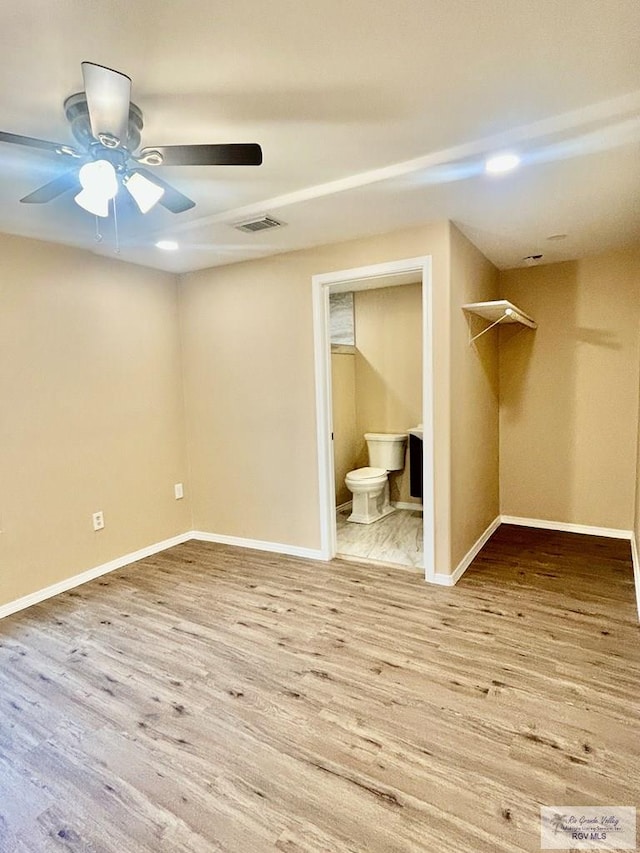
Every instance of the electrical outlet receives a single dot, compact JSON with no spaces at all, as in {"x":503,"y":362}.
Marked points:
{"x":178,"y":490}
{"x":98,"y":520}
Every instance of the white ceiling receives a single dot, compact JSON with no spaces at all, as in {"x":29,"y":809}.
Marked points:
{"x":372,"y":116}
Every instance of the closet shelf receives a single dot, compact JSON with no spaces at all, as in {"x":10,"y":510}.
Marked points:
{"x":499,"y":311}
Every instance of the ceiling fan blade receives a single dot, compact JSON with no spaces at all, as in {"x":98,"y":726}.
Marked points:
{"x":54,"y":188}
{"x":173,"y":199}
{"x":232,"y":154}
{"x":32,"y":142}
{"x":108,"y":95}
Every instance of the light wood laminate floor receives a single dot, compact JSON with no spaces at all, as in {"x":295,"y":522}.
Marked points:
{"x":215,"y":699}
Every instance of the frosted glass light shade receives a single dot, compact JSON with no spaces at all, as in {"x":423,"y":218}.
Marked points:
{"x":99,"y":185}
{"x":99,"y":178}
{"x":143,"y":191}
{"x":93,"y":203}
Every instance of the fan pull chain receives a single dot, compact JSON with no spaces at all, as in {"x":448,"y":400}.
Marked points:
{"x":98,"y":234}
{"x":115,"y":226}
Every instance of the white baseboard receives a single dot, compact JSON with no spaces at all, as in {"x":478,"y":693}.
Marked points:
{"x":438,"y":578}
{"x":397,"y":504}
{"x":258,"y":545}
{"x":150,"y":550}
{"x":452,"y":579}
{"x":635,"y":557}
{"x":91,"y":574}
{"x":441,"y":579}
{"x":610,"y":532}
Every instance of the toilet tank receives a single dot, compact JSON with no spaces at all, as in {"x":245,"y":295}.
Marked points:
{"x":386,"y":449}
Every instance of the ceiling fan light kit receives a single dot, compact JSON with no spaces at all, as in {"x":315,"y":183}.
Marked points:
{"x":108,"y":128}
{"x":144,"y":192}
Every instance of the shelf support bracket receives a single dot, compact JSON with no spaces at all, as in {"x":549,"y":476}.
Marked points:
{"x":508,"y":312}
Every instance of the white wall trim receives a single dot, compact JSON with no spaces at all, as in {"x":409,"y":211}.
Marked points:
{"x":407,"y":505}
{"x":635,"y":557}
{"x":346,"y":505}
{"x":258,"y":545}
{"x":438,"y":578}
{"x":452,"y":579}
{"x":91,"y":574}
{"x":149,"y":551}
{"x":565,"y":527}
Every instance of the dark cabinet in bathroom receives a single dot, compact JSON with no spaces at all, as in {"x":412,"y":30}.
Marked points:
{"x":415,"y":466}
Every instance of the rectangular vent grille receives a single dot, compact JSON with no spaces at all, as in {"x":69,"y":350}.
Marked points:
{"x":262,"y":224}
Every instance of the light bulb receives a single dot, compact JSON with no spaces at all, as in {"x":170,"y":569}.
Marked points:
{"x":501,"y":163}
{"x":143,"y":191}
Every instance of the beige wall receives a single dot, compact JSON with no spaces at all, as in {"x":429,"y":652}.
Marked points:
{"x":250,"y":391}
{"x":474,"y":382}
{"x":92,"y":413}
{"x":636,"y":517}
{"x":345,"y":435}
{"x":388,"y":369}
{"x":569,"y":392}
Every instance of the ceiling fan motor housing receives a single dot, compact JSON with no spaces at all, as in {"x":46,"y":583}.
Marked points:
{"x":77,"y":113}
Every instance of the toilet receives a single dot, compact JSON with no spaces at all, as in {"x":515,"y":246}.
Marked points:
{"x":370,"y":486}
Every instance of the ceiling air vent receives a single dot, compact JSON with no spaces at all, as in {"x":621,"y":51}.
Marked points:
{"x":261,"y":224}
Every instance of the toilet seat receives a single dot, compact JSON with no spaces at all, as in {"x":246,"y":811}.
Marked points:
{"x":360,"y":474}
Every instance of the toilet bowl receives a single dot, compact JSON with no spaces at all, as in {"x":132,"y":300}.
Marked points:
{"x":370,"y":490}
{"x":370,"y":486}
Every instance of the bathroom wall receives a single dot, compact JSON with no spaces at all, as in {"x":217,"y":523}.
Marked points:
{"x":388,"y":369}
{"x":345,"y":434}
{"x":569,"y":392}
{"x":92,"y":412}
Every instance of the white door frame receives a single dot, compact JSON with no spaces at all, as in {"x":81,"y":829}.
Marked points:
{"x":362,"y":278}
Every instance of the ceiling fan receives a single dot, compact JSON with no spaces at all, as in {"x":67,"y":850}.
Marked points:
{"x":107,"y":126}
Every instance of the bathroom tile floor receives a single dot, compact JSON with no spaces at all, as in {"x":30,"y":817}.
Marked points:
{"x":397,"y":538}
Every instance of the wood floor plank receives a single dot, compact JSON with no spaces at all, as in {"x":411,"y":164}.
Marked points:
{"x":216,"y":700}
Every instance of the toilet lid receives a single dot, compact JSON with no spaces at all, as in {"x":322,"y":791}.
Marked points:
{"x":366,"y":473}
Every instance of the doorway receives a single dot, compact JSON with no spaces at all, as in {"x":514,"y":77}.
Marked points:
{"x":364,"y":278}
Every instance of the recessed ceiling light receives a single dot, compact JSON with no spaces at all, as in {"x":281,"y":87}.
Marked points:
{"x":531,"y":260}
{"x":557,"y":237}
{"x":501,"y":163}
{"x":167,"y":245}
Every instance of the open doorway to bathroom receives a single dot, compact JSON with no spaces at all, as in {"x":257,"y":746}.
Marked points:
{"x":376,"y":383}
{"x":374,"y":379}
